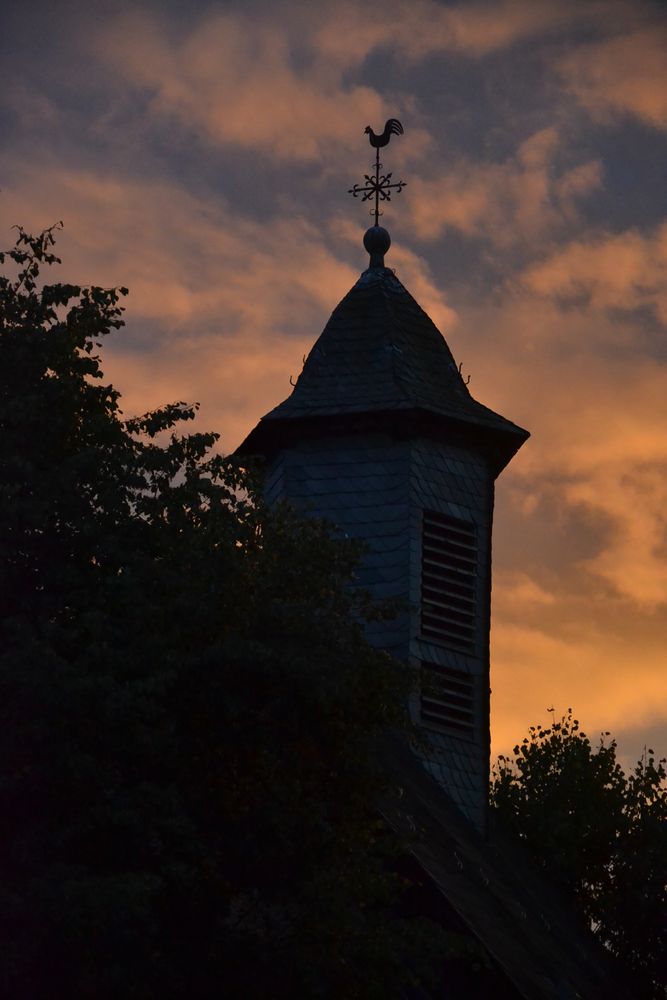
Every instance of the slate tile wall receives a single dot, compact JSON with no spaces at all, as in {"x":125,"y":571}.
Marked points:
{"x":375,"y":488}
{"x":361,"y":484}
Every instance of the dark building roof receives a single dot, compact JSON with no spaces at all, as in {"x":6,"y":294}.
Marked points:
{"x":531,"y":933}
{"x":380,"y":354}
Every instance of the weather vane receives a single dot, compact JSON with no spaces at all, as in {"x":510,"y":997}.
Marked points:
{"x":381,"y":185}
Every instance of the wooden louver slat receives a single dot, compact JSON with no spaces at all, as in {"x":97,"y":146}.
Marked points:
{"x":449,"y":567}
{"x":447,"y":699}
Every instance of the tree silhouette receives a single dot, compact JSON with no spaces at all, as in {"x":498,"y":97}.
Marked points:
{"x":187,"y":703}
{"x":596,"y":831}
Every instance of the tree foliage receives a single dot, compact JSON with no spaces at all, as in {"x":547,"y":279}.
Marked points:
{"x":597,"y":831}
{"x":187,"y":707}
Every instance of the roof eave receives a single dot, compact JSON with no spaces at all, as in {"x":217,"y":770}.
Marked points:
{"x":500,"y":443}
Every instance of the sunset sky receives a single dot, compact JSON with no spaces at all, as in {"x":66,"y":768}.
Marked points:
{"x":200,"y":154}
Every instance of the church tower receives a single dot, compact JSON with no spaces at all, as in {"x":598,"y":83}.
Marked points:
{"x":382,"y":437}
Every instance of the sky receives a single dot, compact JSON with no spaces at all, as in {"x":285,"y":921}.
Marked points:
{"x":201,"y":153}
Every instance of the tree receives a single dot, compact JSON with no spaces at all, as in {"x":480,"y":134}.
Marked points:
{"x":187,"y":703}
{"x":598,"y":832}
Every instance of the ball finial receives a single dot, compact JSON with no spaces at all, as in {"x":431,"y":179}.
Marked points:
{"x":377,"y":242}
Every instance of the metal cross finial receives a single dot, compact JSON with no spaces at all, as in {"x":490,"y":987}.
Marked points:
{"x":379,"y":185}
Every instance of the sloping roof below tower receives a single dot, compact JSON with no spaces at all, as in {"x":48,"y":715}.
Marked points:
{"x":542,"y":946}
{"x":381,"y":353}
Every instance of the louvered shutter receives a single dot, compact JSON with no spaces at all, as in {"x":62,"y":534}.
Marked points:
{"x":449,"y":578}
{"x":448,"y":699}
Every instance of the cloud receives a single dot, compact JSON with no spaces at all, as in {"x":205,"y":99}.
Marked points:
{"x":186,"y":258}
{"x":37,"y":111}
{"x":578,"y":619}
{"x":612,"y":680}
{"x":625,"y":74}
{"x":516,"y":201}
{"x":221,"y":308}
{"x":597,"y":409}
{"x":520,"y":590}
{"x":232,"y":78}
{"x":623,"y":271}
{"x":423,"y":27}
{"x":282,"y":86}
{"x":635,"y":559}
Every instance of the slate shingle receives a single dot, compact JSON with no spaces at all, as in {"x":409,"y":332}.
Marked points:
{"x":381,"y":351}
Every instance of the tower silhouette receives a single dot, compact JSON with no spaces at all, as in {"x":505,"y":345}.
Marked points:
{"x":382,"y":437}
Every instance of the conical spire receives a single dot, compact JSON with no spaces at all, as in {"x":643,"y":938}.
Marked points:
{"x":381,"y":360}
{"x":381,"y":356}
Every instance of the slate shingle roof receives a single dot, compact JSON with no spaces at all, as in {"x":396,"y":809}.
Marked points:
{"x":543,"y":947}
{"x":380,"y":350}
{"x":381,"y":353}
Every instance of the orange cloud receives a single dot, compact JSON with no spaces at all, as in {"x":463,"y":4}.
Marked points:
{"x":613,"y":681}
{"x":625,"y":74}
{"x":422,"y":27}
{"x":520,"y":199}
{"x":232,"y":79}
{"x":598,"y":430}
{"x":232,"y":305}
{"x":280,"y":85}
{"x":621,"y":271}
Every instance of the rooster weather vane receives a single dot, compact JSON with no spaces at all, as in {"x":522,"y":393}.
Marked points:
{"x":379,"y":185}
